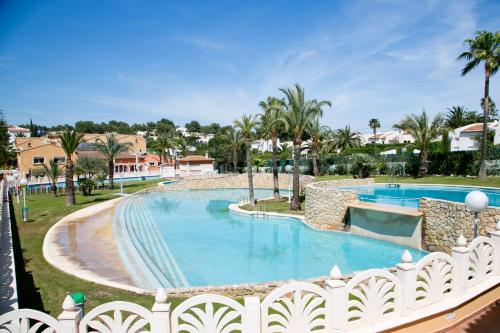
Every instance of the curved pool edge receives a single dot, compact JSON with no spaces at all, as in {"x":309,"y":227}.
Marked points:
{"x":54,"y":257}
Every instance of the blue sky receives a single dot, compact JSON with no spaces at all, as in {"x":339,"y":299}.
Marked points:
{"x":138,"y":61}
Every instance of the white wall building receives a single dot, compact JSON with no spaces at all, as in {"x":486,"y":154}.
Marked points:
{"x":14,"y":131}
{"x":264,"y":145}
{"x":389,"y":137}
{"x":468,"y":137}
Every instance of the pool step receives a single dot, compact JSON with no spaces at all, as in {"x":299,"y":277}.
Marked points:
{"x":386,"y":208}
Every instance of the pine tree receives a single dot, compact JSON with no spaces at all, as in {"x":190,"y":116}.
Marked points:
{"x":6,"y":155}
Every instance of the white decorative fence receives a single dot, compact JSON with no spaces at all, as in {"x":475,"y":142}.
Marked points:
{"x":369,"y":301}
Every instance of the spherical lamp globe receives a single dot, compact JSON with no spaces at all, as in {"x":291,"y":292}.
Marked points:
{"x":23,"y":182}
{"x":476,"y":201}
{"x":288,"y":168}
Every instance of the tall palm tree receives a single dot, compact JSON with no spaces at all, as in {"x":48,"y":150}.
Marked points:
{"x":110,"y":149}
{"x":271,"y":120}
{"x":233,"y":137}
{"x":374,"y":124}
{"x":345,"y":138}
{"x":69,"y":141}
{"x":299,"y":112}
{"x":458,"y":116}
{"x":164,"y":142}
{"x":318,"y":133}
{"x":247,"y":126}
{"x":53,"y":171}
{"x":424,"y":130}
{"x":484,"y":47}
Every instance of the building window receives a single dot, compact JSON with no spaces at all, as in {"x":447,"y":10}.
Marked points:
{"x":38,"y":160}
{"x":59,"y":159}
{"x":151,"y":163}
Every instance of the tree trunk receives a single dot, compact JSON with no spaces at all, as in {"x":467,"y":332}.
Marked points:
{"x":249,"y":172}
{"x":314,"y":156}
{"x":422,"y":171}
{"x":111,"y":171}
{"x":486,"y":110}
{"x":70,"y":187}
{"x":374,"y":140}
{"x":295,"y":205}
{"x":276,"y":185}
{"x":235,"y":160}
{"x":53,"y":188}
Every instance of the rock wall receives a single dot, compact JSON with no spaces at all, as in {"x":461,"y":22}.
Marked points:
{"x":326,"y":206}
{"x":260,"y":180}
{"x":445,"y":220}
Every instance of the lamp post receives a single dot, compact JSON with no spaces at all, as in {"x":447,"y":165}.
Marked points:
{"x":16,"y":188}
{"x":476,"y":202}
{"x":24,"y":184}
{"x":288,"y":169}
{"x":121,"y":182}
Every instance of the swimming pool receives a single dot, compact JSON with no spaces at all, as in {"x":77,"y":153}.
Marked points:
{"x":190,"y":238}
{"x":409,"y":195}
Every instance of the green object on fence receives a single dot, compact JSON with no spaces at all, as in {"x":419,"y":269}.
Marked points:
{"x":78,"y":298}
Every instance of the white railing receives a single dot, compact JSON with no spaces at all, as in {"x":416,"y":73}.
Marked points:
{"x":369,"y":301}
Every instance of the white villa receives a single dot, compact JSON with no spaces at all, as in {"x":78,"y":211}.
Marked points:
{"x":467,"y":137}
{"x":389,"y":137}
{"x":16,"y":131}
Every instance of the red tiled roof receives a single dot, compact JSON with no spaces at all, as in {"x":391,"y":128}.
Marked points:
{"x":195,"y":158}
{"x":474,"y":128}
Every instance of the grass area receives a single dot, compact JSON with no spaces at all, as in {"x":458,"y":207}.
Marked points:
{"x":274,"y":205}
{"x":44,"y":287}
{"x":445,"y":180}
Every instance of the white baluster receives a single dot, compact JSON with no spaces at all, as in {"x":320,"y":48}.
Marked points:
{"x":461,"y":255}
{"x":70,"y":317}
{"x":251,"y":319}
{"x":337,"y":292}
{"x":160,"y":321}
{"x":495,"y":237}
{"x":406,"y":273}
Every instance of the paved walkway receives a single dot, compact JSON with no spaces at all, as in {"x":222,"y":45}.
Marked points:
{"x":487,"y":321}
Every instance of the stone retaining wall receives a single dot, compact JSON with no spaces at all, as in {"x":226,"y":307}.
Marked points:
{"x":260,"y":180}
{"x":445,"y":221}
{"x":326,"y":205}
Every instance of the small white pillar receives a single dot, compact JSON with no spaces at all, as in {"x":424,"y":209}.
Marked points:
{"x":160,"y":322}
{"x":337,"y":292}
{"x":251,"y":320}
{"x":495,"y":237}
{"x":70,"y":317}
{"x":407,"y":274}
{"x":460,"y":254}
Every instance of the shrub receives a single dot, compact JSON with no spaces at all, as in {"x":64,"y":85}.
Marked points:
{"x":363,"y":165}
{"x":341,"y":169}
{"x":85,"y":186}
{"x":38,"y":172}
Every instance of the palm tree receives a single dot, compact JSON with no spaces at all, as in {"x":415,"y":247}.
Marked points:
{"x":247,"y":126}
{"x":285,"y":151}
{"x":374,"y":124}
{"x":69,"y":141}
{"x":164,"y":142}
{"x":317,"y":132}
{"x":345,"y":138}
{"x":458,"y":116}
{"x":53,"y":171}
{"x":233,"y":137}
{"x":299,"y":112}
{"x":484,"y":47}
{"x":424,"y":131}
{"x":110,"y":149}
{"x":271,"y":120}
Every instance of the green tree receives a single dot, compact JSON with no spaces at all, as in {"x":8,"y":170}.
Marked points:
{"x":53,"y":171}
{"x":424,"y":130}
{"x":110,"y":149}
{"x":270,"y":122}
{"x":247,"y":126}
{"x":6,"y":153}
{"x":458,"y":116}
{"x":234,"y":139}
{"x":493,"y":111}
{"x":299,"y":112}
{"x":193,"y":126}
{"x":484,"y":47}
{"x":90,"y":166}
{"x":374,"y":123}
{"x":317,"y":134}
{"x":69,"y":141}
{"x":164,"y":142}
{"x":345,"y":138}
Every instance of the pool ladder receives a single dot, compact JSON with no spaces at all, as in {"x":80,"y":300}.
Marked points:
{"x":261,"y":212}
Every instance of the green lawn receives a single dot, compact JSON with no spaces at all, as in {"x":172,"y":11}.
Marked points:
{"x":274,"y":205}
{"x":44,"y":287}
{"x":446,"y":180}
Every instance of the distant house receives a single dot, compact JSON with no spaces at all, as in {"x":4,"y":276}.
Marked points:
{"x":264,"y":145}
{"x":390,"y":137}
{"x":195,"y":165}
{"x":468,"y":137}
{"x":16,"y":131}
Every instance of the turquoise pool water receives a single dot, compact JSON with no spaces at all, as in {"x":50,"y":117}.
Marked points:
{"x":190,"y":238}
{"x":409,"y":195}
